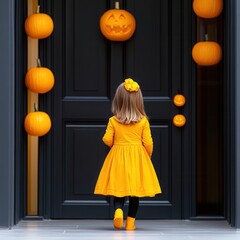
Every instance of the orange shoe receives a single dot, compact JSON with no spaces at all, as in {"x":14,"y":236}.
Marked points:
{"x":130,"y":224}
{"x":118,"y":218}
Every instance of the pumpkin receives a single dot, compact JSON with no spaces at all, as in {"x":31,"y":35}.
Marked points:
{"x":39,"y":25}
{"x":39,"y":79}
{"x":179,"y":120}
{"x":117,"y":24}
{"x":208,"y":8}
{"x":179,"y":100}
{"x":37,"y":123}
{"x":207,"y":53}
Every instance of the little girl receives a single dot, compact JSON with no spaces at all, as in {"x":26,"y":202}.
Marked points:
{"x":127,"y":170}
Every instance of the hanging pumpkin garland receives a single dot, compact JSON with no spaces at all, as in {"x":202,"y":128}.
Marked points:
{"x":39,"y":25}
{"x":208,"y":8}
{"x":37,"y":123}
{"x":39,"y":79}
{"x":117,"y":24}
{"x":207,"y":53}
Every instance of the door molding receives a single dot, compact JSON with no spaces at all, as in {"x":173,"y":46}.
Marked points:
{"x":232,"y":111}
{"x":237,"y":110}
{"x":189,"y":152}
{"x":20,"y":110}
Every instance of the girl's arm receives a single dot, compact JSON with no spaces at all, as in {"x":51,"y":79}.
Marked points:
{"x":109,"y":134}
{"x":147,"y":139}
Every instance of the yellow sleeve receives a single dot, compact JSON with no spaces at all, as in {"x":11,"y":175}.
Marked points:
{"x":109,"y":134}
{"x":147,"y":139}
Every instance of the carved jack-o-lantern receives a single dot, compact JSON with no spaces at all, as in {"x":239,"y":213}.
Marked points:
{"x":179,"y":100}
{"x":117,"y":24}
{"x":179,"y":120}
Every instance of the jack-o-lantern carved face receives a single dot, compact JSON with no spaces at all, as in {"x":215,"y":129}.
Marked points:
{"x":179,"y":100}
{"x":179,"y":120}
{"x":117,"y":24}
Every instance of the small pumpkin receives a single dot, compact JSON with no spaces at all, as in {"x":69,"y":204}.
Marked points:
{"x":37,"y":123}
{"x":208,"y":8}
{"x":39,"y":25}
{"x":39,"y":79}
{"x":207,"y":53}
{"x":179,"y":120}
{"x":117,"y":24}
{"x":179,"y":100}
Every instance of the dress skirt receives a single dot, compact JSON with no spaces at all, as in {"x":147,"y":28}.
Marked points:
{"x":127,"y":171}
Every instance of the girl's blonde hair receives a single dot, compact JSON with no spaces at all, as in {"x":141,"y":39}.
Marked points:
{"x":128,"y":106}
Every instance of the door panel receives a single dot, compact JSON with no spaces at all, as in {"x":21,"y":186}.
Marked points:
{"x":84,"y":50}
{"x":88,"y":68}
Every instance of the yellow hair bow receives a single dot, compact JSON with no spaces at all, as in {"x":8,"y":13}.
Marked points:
{"x":131,"y":85}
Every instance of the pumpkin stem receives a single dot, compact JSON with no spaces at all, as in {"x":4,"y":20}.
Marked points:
{"x":38,"y":9}
{"x":38,"y":62}
{"x":116,"y":5}
{"x":206,"y":37}
{"x":35,"y":107}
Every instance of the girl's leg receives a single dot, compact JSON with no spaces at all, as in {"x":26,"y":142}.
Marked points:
{"x":132,"y":212}
{"x":118,"y":202}
{"x":118,"y":215}
{"x":133,"y":206}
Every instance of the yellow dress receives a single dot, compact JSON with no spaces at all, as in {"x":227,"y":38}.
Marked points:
{"x":128,"y":169}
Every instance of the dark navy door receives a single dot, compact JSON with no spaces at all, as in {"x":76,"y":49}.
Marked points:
{"x":87,"y":69}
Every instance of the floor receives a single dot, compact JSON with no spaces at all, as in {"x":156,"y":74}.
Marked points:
{"x":103,"y":230}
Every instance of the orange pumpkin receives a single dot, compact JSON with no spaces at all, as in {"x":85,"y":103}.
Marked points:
{"x":39,"y":79}
{"x":207,"y":53}
{"x":117,"y":24}
{"x":39,"y":25}
{"x":179,"y":120}
{"x":179,"y":100}
{"x":37,"y":123}
{"x":208,"y":8}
